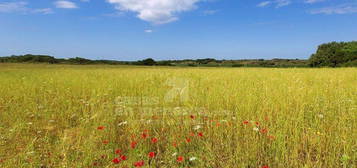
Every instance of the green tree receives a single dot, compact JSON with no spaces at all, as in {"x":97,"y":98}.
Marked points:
{"x":149,"y":62}
{"x":334,"y":54}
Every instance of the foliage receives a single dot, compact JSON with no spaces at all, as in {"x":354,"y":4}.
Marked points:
{"x":335,"y":54}
{"x":30,"y":58}
{"x":208,"y":62}
{"x":147,"y":62}
{"x":78,"y":60}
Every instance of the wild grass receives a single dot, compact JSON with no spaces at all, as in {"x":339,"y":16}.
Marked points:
{"x":78,"y":116}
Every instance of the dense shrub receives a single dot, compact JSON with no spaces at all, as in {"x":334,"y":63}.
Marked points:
{"x":334,"y":54}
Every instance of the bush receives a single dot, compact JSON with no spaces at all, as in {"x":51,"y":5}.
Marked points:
{"x":334,"y":54}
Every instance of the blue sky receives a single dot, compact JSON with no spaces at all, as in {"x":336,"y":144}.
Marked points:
{"x":174,"y":29}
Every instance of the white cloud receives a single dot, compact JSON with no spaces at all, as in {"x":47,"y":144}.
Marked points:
{"x":11,"y":7}
{"x":65,"y":4}
{"x":341,"y":9}
{"x":8,"y":7}
{"x":148,"y":31}
{"x":281,"y":3}
{"x":276,"y":3}
{"x":313,"y":1}
{"x":43,"y":11}
{"x":264,"y":4}
{"x":155,"y":11}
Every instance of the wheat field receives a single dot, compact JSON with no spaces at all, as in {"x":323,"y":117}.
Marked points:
{"x":124,"y":116}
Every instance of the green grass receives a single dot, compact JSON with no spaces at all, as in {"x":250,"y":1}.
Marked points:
{"x":49,"y":115}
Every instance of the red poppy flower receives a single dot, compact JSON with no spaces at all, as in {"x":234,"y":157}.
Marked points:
{"x":265,"y":166}
{"x":100,"y":128}
{"x":144,"y":135}
{"x":218,"y":124}
{"x":174,"y":144}
{"x":264,"y":131}
{"x":188,"y":140}
{"x":200,"y":134}
{"x":180,"y":159}
{"x":139,"y":163}
{"x":105,"y":142}
{"x":118,"y":151}
{"x":257,"y":123}
{"x":116,"y":160}
{"x":133,"y":144}
{"x":95,"y":164}
{"x":123,"y":157}
{"x":152,"y":154}
{"x":154,"y":140}
{"x":103,"y":156}
{"x":192,"y":134}
{"x":192,"y":116}
{"x":245,"y":122}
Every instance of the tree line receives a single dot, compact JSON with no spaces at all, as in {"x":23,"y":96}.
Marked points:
{"x":207,"y":62}
{"x":334,"y":54}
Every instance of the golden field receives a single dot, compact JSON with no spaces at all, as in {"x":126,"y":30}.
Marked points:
{"x":125,"y":116}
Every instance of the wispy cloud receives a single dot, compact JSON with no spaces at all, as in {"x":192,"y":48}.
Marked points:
{"x":340,"y":9}
{"x":115,"y":14}
{"x":43,"y":11}
{"x":313,"y":1}
{"x":264,"y":3}
{"x":8,"y":7}
{"x":65,"y":4}
{"x":21,"y":7}
{"x":281,"y":3}
{"x":209,"y":12}
{"x":156,"y":11}
{"x":276,"y":3}
{"x":148,"y":31}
